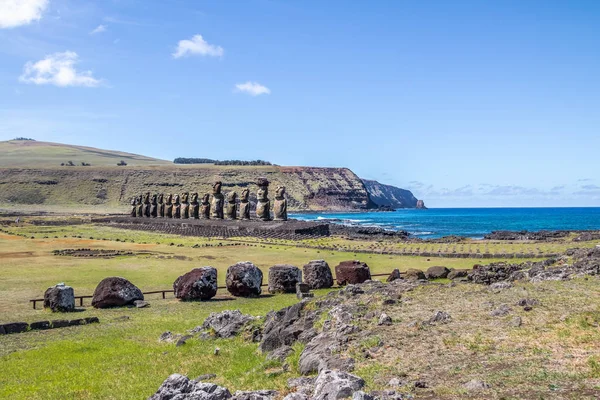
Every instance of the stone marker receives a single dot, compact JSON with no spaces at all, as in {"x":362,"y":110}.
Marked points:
{"x":216,"y":207}
{"x":198,"y":284}
{"x":283,"y":278}
{"x":59,"y":298}
{"x":244,"y":279}
{"x":280,"y":205}
{"x":352,"y":272}
{"x":395,"y":275}
{"x":303,"y":291}
{"x":317,"y":274}
{"x":115,"y":292}
{"x":245,"y":205}
{"x":263,"y":205}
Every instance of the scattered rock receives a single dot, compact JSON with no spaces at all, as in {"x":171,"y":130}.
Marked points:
{"x":360,"y":395}
{"x":421,"y":385}
{"x":198,"y":284}
{"x":296,"y":396}
{"x":395,"y":382}
{"x":59,"y":298}
{"x":437,"y":272}
{"x":528,"y":303}
{"x":414,"y":274}
{"x":498,"y":286}
{"x":352,"y":272}
{"x":441,"y":317}
{"x":501,"y":311}
{"x":115,"y":292}
{"x":283,"y":278}
{"x":317,"y":275}
{"x":394,"y":276}
{"x":516,"y":322}
{"x":331,"y":385}
{"x":226,"y":323}
{"x":182,"y":340}
{"x":244,"y":279}
{"x":205,"y":377}
{"x":180,"y":387}
{"x":255,"y":395}
{"x":283,"y":327}
{"x":458,"y":273}
{"x":280,"y":354}
{"x":476,"y":385}
{"x":384,"y":319}
{"x":141,"y":304}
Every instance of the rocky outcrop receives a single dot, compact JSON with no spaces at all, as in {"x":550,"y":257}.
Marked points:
{"x":389,"y":196}
{"x":420,"y":205}
{"x":336,"y":385}
{"x":180,"y":387}
{"x":198,"y":284}
{"x":115,"y":292}
{"x":227,"y":323}
{"x":244,"y":279}
{"x":59,"y":298}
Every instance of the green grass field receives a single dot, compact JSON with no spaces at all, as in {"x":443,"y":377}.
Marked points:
{"x":121,"y":358}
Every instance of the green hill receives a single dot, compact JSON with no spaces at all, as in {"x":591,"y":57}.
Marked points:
{"x":33,"y":154}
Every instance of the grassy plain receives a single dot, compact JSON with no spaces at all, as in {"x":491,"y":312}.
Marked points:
{"x":554,"y":355}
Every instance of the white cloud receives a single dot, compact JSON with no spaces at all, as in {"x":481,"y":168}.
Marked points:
{"x":197,"y":45}
{"x":252,"y":88}
{"x":58,"y":69}
{"x":15,"y":13}
{"x":99,"y":29}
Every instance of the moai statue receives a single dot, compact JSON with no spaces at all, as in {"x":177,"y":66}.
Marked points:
{"x":231,"y":212}
{"x":263,"y":205}
{"x":146,"y":206}
{"x":153,"y":206}
{"x":140,"y":206}
{"x":245,"y":205}
{"x":216,"y":208}
{"x":205,"y":207}
{"x":160,"y":206}
{"x":168,"y":205}
{"x":185,"y":205}
{"x":176,"y":206}
{"x":280,"y":204}
{"x":133,"y":212}
{"x":194,"y":206}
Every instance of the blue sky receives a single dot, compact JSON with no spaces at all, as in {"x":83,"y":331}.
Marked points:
{"x":467,"y":103}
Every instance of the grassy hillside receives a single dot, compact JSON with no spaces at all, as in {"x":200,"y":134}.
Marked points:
{"x":29,"y":153}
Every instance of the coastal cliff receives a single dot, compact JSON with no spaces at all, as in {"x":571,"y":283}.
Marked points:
{"x":308,"y":188}
{"x":390,"y":196}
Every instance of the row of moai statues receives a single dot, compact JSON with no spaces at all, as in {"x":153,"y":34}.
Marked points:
{"x":186,"y":205}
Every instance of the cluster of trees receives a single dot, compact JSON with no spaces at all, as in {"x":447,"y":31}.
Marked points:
{"x":24,"y":138}
{"x":183,"y":160}
{"x":72,"y":164}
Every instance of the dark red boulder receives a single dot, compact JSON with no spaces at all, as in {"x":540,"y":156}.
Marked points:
{"x":115,"y":292}
{"x":352,"y":272}
{"x":198,"y":284}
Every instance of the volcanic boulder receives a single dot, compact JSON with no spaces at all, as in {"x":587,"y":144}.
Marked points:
{"x":317,"y":275}
{"x":352,"y":272}
{"x":198,"y":284}
{"x":244,"y":279}
{"x":181,"y":387}
{"x":115,"y":292}
{"x":437,"y":272}
{"x":283,"y":278}
{"x":59,"y":298}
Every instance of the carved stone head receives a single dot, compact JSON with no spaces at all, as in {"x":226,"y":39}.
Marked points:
{"x":217,"y":187}
{"x":194,"y":198}
{"x":168,"y":198}
{"x":231,"y":197}
{"x":206,"y":199}
{"x":153,"y":199}
{"x":263,"y":193}
{"x":147,"y":198}
{"x":175,"y":199}
{"x":184,"y":197}
{"x":280,"y":192}
{"x":160,"y":198}
{"x":244,"y":196}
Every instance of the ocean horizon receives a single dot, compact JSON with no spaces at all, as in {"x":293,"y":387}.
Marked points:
{"x":469,"y":222}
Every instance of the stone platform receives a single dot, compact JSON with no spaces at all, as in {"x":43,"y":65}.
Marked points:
{"x":291,"y":229}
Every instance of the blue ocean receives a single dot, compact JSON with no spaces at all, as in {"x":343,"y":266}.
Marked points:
{"x":470,"y":222}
